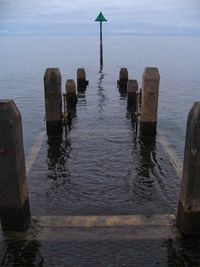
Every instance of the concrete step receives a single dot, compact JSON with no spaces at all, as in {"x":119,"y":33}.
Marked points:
{"x":76,"y":228}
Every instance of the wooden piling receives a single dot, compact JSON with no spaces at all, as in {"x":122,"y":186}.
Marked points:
{"x":188,"y":216}
{"x":132,"y":89}
{"x":14,"y":203}
{"x":123,"y":78}
{"x":149,"y":101}
{"x":81,"y":79}
{"x":71,"y":94}
{"x":53,"y":101}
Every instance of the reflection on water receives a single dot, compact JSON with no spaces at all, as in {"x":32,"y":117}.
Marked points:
{"x":144,"y":180}
{"x":101,"y":91}
{"x":81,"y":98}
{"x":147,"y":153}
{"x":22,"y":253}
{"x":57,"y":161}
{"x":123,"y":93}
{"x":184,"y":252}
{"x":35,"y":253}
{"x":72,"y":111}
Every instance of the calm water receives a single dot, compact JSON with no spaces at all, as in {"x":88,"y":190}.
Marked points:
{"x":100,"y":167}
{"x":24,"y":60}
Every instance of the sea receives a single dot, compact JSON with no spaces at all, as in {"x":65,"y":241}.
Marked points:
{"x":98,"y":167}
{"x":24,"y":60}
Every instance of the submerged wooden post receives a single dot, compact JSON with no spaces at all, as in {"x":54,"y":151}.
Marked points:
{"x":132,"y":89}
{"x":71,"y":94}
{"x":123,"y":78}
{"x":188,"y":217}
{"x":81,"y":79}
{"x":149,"y":102}
{"x":14,"y":203}
{"x":53,"y":101}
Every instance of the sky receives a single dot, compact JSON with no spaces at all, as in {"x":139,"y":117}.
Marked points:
{"x":137,"y":17}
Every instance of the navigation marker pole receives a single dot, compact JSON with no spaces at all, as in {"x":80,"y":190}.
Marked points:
{"x":101,"y":18}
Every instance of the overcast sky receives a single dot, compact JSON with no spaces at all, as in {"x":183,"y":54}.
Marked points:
{"x":174,"y":17}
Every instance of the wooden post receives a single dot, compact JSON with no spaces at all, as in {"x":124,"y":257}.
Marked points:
{"x":81,"y":80}
{"x":188,"y":217}
{"x":132,"y":89}
{"x":53,"y":101}
{"x":123,"y":79}
{"x":14,"y":203}
{"x":71,"y":95}
{"x":149,"y":103}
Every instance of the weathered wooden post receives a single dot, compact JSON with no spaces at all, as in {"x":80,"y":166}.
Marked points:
{"x":149,"y":102}
{"x":132,"y":89}
{"x":53,"y":101}
{"x":71,"y":95}
{"x":188,"y":217}
{"x":123,"y":79}
{"x":14,"y":203}
{"x":81,"y":80}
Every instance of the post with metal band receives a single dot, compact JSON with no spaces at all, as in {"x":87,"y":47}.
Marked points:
{"x":53,"y":101}
{"x":100,"y":19}
{"x":14,"y":202}
{"x":188,"y":217}
{"x":149,"y":101}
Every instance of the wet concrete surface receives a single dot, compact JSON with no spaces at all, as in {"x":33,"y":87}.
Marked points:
{"x":154,"y":245}
{"x":61,"y":234}
{"x":72,"y":241}
{"x":65,"y":180}
{"x":89,"y":253}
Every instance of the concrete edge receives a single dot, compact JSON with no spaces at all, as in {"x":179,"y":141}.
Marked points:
{"x":97,"y":228}
{"x":34,"y":151}
{"x":103,"y":221}
{"x":173,"y":157}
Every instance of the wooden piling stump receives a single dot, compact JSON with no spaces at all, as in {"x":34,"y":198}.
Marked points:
{"x":71,"y":94}
{"x":81,"y":79}
{"x":188,"y":217}
{"x":123,"y":78}
{"x":53,"y":101}
{"x":14,"y":203}
{"x":132,"y":89}
{"x":149,"y":101}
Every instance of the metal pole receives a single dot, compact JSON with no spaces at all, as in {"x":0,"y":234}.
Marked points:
{"x":101,"y":45}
